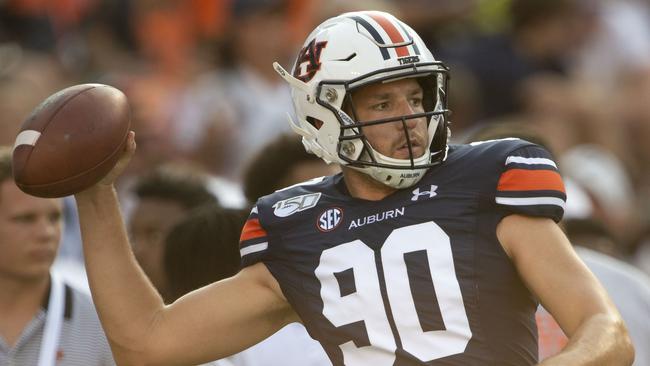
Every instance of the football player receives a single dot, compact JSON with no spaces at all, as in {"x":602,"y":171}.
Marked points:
{"x":418,"y":253}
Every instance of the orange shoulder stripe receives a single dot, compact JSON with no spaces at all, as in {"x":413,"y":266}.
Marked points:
{"x":530,"y":180}
{"x":252,"y":230}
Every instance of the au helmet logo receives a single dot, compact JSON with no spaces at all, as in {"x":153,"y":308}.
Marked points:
{"x":310,"y":55}
{"x":329,"y":219}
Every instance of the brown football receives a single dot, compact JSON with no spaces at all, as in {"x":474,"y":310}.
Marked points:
{"x":71,"y":140}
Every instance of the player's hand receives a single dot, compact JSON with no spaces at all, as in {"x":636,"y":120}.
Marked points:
{"x":106,"y":183}
{"x":127,"y":154}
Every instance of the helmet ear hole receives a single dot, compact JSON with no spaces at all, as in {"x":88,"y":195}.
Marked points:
{"x":440,"y":136}
{"x":348,"y":106}
{"x":315,"y":122}
{"x":429,"y":88}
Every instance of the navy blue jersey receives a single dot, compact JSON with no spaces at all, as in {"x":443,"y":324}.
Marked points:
{"x":418,"y":278}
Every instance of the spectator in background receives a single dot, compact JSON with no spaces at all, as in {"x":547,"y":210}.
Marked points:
{"x":593,"y":131}
{"x":632,"y":110}
{"x":167,"y":49}
{"x":242,"y":106}
{"x":204,"y":248}
{"x":592,"y":234}
{"x":44,"y":320}
{"x":620,"y":45}
{"x":164,"y":197}
{"x":642,"y":254}
{"x":628,"y":287}
{"x":432,"y":26}
{"x":604,"y":177}
{"x":543,"y":34}
{"x":42,"y":25}
{"x":281,"y":163}
{"x":26,"y":78}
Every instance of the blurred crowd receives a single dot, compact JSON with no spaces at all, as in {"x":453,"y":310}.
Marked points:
{"x":573,"y":75}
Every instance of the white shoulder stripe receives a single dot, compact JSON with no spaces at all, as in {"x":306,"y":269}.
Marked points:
{"x":27,"y":137}
{"x":476,"y":143}
{"x":530,"y":161}
{"x":253,"y":249}
{"x":530,"y":201}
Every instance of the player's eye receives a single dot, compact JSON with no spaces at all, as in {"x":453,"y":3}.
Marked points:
{"x":380,"y":106}
{"x":416,"y":102}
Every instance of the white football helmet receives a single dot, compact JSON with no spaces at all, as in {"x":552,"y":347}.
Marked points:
{"x":350,"y":51}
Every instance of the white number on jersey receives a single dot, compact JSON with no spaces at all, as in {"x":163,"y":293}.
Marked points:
{"x":366,"y":303}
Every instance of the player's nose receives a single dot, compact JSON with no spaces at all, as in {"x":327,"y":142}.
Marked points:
{"x":406,"y":109}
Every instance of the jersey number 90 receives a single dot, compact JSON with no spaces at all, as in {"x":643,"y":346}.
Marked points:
{"x":366,"y":303}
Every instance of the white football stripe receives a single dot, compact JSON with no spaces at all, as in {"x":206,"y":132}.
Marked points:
{"x":253,"y":249}
{"x":530,"y":201}
{"x":27,"y":137}
{"x":530,"y":161}
{"x":476,"y":143}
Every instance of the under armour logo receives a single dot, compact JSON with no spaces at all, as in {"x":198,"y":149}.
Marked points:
{"x":430,"y":193}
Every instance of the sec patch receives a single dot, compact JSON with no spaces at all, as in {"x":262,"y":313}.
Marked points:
{"x":330,"y":219}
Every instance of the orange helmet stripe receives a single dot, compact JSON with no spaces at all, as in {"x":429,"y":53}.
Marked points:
{"x":392,"y":32}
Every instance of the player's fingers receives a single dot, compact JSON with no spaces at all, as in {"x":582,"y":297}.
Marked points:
{"x":129,"y":150}
{"x":130,"y":143}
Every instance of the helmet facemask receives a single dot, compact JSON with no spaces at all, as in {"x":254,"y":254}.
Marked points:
{"x":357,"y":151}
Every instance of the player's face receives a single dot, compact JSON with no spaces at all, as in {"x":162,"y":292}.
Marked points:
{"x":393,"y":99}
{"x":152,"y":219}
{"x":30,"y":230}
